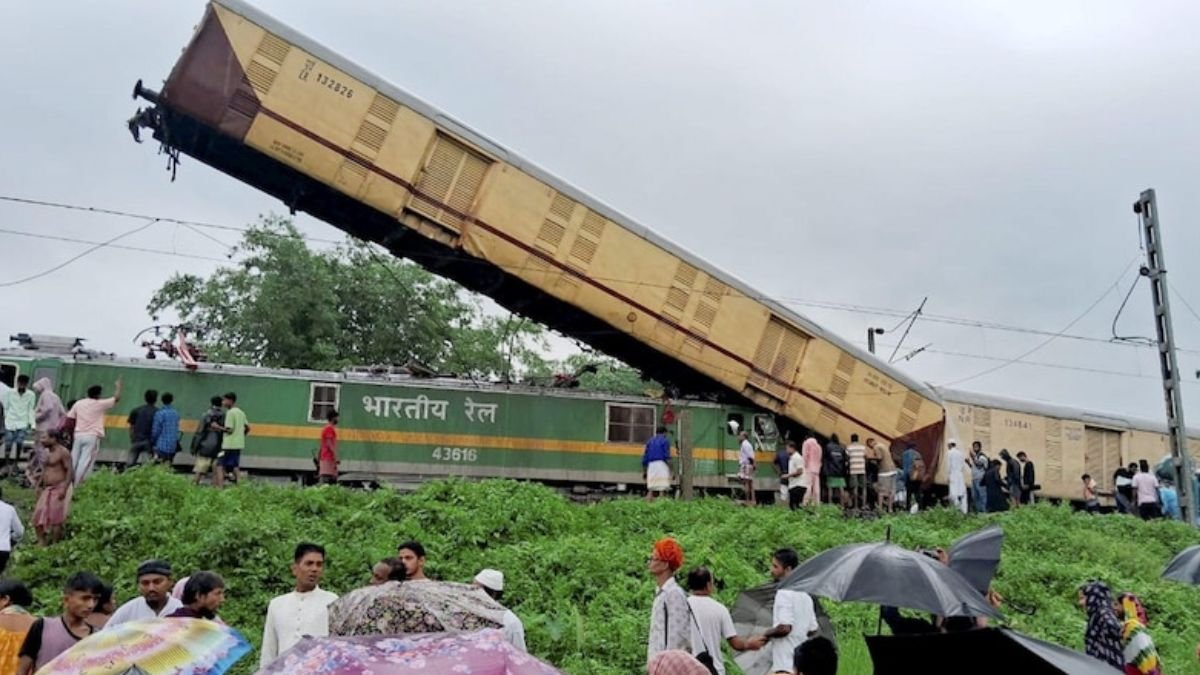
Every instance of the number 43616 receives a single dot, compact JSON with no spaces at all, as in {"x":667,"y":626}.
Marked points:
{"x":455,"y":454}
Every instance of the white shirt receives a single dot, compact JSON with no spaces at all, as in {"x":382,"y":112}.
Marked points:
{"x":11,"y":528}
{"x":715,"y":627}
{"x":794,"y":608}
{"x":746,"y":453}
{"x":1147,"y":488}
{"x":514,"y":630}
{"x":796,"y":466}
{"x":291,"y":617}
{"x":137,"y":610}
{"x":958,"y":484}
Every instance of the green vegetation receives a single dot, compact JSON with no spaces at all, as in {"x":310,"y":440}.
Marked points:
{"x":282,"y":304}
{"x":576,"y":574}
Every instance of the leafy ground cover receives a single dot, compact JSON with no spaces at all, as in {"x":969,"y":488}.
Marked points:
{"x":576,"y":574}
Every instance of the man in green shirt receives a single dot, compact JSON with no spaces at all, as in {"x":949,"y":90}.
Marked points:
{"x":234,"y":442}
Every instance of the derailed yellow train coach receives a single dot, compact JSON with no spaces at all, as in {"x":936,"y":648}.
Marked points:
{"x":261,"y":102}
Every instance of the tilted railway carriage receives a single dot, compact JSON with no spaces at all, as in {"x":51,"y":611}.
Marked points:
{"x":255,"y":99}
{"x":398,"y":429}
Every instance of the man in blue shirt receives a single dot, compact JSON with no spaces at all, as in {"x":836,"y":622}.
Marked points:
{"x":1169,"y":499}
{"x":656,"y":466}
{"x":912,"y":483}
{"x":165,"y":432}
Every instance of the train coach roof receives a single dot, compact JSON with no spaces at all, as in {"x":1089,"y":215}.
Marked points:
{"x":455,"y":126}
{"x":348,"y":377}
{"x":1101,"y":419}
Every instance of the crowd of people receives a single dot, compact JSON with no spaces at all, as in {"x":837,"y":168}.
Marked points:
{"x":27,"y":643}
{"x":67,"y":439}
{"x":867,"y":477}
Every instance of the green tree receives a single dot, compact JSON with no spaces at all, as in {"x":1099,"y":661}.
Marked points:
{"x":285,"y":305}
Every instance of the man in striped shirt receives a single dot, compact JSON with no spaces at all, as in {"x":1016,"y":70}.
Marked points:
{"x":857,"y":454}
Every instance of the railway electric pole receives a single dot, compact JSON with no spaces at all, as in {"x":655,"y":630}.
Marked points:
{"x":1155,"y":270}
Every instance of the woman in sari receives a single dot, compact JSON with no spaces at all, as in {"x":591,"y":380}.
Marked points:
{"x":15,"y":621}
{"x":1102,"y":638}
{"x":1141,"y":657}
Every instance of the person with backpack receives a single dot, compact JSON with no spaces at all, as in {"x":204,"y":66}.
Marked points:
{"x":206,"y":443}
{"x":712,"y":624}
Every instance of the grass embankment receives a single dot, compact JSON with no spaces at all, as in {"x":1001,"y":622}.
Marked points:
{"x":576,"y":574}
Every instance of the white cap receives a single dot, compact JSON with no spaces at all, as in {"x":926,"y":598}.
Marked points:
{"x":489,"y":578}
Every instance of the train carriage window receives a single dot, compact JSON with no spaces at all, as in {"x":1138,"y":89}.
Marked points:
{"x":47,"y":373}
{"x":629,"y":423}
{"x":734,"y":422}
{"x":8,"y":374}
{"x":322,"y":397}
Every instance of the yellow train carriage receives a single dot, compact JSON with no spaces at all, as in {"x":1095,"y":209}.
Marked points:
{"x":330,"y":138}
{"x":1064,"y":443}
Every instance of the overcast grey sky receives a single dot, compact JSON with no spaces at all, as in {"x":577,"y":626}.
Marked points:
{"x":983,"y":154}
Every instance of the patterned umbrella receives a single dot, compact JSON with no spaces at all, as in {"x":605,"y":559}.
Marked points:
{"x":481,"y":653}
{"x":154,"y":647}
{"x":398,"y":608}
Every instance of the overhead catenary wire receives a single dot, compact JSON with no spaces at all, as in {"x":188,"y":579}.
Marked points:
{"x":1187,"y":304}
{"x":380,"y":259}
{"x":1050,"y":339}
{"x":904,"y":315}
{"x":1117,"y":317}
{"x":86,"y":252}
{"x":118,"y":247}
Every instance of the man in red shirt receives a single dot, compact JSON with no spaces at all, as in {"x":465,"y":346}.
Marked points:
{"x":327,"y":461}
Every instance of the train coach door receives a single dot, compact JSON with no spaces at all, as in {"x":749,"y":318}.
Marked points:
{"x":1103,"y":455}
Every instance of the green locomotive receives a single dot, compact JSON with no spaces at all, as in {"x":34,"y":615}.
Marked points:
{"x":402,"y":429}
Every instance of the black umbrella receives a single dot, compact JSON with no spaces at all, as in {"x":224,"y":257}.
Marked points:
{"x":885,"y":574}
{"x":986,"y":650}
{"x":753,"y":614}
{"x":1184,"y":567}
{"x":977,"y":555}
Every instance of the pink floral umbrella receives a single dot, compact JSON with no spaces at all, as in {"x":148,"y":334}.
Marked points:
{"x":481,"y":653}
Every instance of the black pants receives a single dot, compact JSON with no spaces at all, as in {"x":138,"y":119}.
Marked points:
{"x":1149,"y":511}
{"x":796,"y":497}
{"x":913,"y":487}
{"x":135,"y":453}
{"x":4,"y":555}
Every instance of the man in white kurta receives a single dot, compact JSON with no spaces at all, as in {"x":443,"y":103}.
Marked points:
{"x":958,"y":483}
{"x":492,"y":582}
{"x":304,"y":611}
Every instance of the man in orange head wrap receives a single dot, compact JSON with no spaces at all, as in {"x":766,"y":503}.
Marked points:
{"x":670,"y":623}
